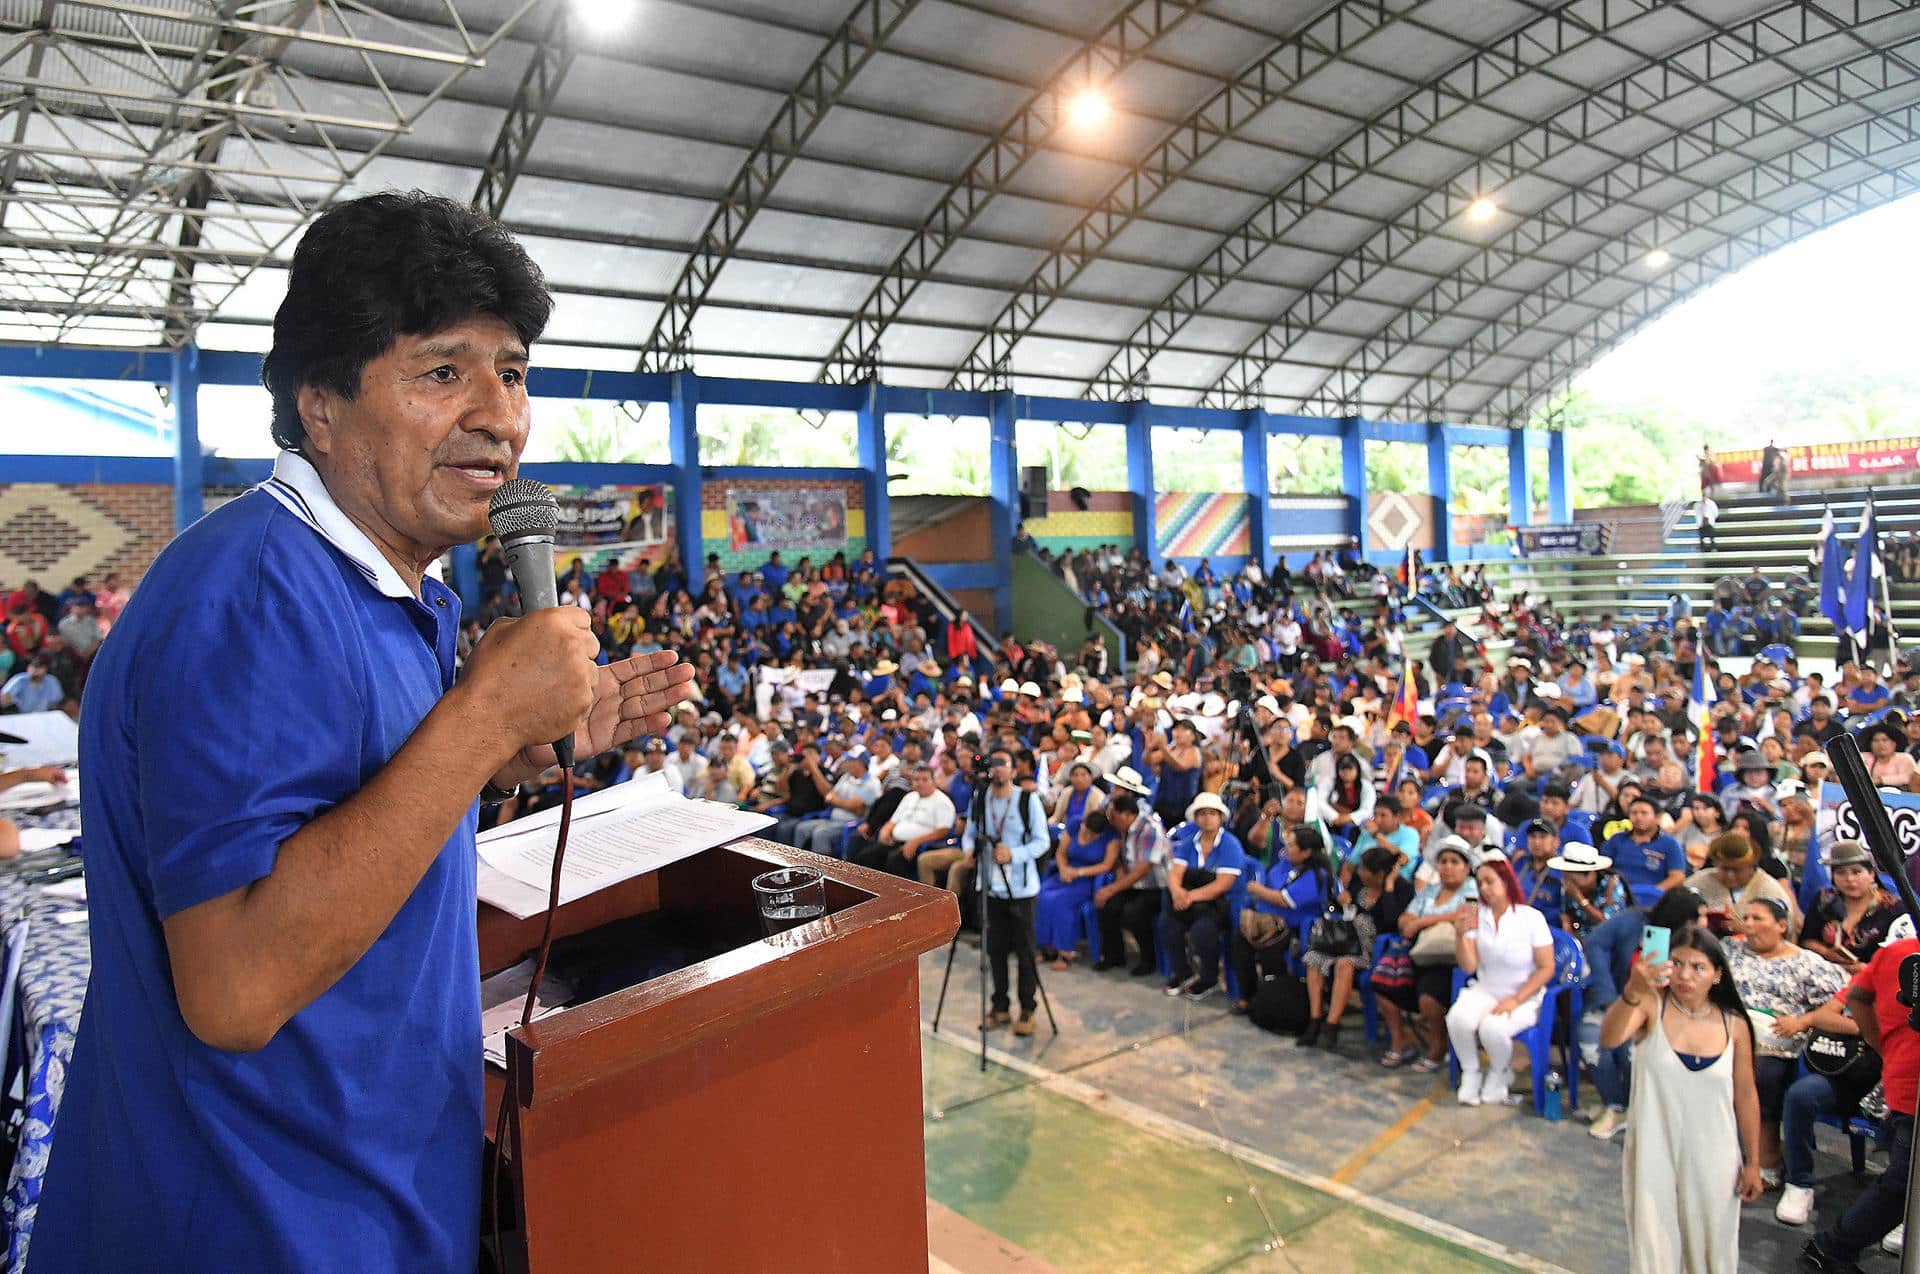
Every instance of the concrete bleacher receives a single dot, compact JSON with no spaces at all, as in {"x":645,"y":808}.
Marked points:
{"x":1753,"y":532}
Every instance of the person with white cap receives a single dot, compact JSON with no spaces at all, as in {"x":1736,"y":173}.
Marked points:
{"x":1131,"y":903}
{"x":1590,"y":890}
{"x":1443,"y":901}
{"x":1203,"y":871}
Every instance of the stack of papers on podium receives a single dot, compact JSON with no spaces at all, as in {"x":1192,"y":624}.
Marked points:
{"x":43,"y":738}
{"x":618,"y":833}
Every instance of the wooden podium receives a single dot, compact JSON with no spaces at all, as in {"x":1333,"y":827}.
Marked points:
{"x":758,"y":1111}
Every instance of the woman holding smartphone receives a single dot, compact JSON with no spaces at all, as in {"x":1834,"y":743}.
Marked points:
{"x":1693,"y":1145}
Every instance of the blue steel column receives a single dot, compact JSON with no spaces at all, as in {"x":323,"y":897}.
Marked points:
{"x":1140,"y":480}
{"x":1440,"y":486}
{"x":1254,"y":477}
{"x":872,"y":431}
{"x":188,"y":499}
{"x":1519,"y":479}
{"x":466,"y":577}
{"x":683,"y":452}
{"x":1559,"y":479}
{"x":1353,"y":478}
{"x":1003,"y":464}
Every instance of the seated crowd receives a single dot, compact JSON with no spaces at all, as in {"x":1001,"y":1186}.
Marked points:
{"x":1244,"y":808}
{"x":1254,"y":806}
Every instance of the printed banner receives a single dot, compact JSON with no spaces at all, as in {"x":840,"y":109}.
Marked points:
{"x":1577,"y":539}
{"x":1824,"y":460}
{"x":596,"y":516}
{"x":787,"y":517}
{"x":1835,"y":820}
{"x":629,"y":525}
{"x":767,"y":683}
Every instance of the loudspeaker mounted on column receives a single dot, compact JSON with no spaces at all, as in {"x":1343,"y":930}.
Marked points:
{"x":1033,"y":492}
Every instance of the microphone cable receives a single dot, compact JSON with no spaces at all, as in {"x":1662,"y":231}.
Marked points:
{"x":510,"y":1091}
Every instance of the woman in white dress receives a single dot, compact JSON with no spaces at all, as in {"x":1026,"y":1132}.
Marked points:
{"x":1693,"y":1145}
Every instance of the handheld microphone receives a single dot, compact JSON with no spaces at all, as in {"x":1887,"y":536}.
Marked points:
{"x":524,"y":515}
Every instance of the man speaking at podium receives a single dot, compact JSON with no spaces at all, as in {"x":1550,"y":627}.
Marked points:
{"x":278,"y":1065}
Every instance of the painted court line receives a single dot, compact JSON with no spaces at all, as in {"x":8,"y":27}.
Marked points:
{"x":1153,"y":1121}
{"x":1347,"y":1171}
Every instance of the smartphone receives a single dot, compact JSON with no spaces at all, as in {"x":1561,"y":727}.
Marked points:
{"x":1655,"y":944}
{"x":1719,"y":923}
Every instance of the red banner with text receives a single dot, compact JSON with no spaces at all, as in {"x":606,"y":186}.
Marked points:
{"x":1825,"y":460}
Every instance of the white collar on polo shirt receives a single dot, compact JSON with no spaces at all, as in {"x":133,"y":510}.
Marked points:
{"x":296,"y":485}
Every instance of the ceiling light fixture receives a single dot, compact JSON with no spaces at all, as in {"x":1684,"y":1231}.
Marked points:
{"x":604,"y":17}
{"x":1481,"y":209}
{"x":1088,"y":108}
{"x":1658,"y":258}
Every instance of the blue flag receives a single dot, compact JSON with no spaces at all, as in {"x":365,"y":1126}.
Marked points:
{"x":1833,"y":571}
{"x":1860,"y":578}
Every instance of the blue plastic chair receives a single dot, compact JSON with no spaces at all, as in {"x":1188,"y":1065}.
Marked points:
{"x":1363,"y":984}
{"x":1569,"y":977}
{"x":1858,"y":1128}
{"x":1090,"y":917}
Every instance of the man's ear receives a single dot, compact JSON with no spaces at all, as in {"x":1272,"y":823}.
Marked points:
{"x":317,"y":407}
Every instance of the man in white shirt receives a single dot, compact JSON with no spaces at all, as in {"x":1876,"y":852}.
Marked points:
{"x":925,"y":816}
{"x":853,"y":792}
{"x":655,"y":754}
{"x":687,"y":769}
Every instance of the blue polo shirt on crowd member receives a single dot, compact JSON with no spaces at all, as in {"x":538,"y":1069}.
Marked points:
{"x":1305,"y":892}
{"x":1229,"y":856}
{"x":1874,"y":698}
{"x":1645,"y":865}
{"x":774,"y":574}
{"x":270,"y":665}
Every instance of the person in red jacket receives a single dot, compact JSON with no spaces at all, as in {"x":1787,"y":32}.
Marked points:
{"x":961,"y":643}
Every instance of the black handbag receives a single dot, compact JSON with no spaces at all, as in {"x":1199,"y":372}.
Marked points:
{"x":1844,"y":1059}
{"x":1334,"y":933}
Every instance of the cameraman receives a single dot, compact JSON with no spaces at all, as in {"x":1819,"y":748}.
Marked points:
{"x":1012,"y":827}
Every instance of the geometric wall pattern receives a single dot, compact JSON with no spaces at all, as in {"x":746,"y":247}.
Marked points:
{"x":53,"y":532}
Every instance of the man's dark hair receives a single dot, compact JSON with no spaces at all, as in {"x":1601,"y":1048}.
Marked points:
{"x":374,"y":269}
{"x":1557,"y":790}
{"x":1124,"y":803}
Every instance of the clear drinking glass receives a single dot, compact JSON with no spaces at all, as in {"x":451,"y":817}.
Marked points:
{"x":789,"y":897}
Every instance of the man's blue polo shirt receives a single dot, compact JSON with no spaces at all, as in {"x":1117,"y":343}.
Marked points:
{"x":271,"y":663}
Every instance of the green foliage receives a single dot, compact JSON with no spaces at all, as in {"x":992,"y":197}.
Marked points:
{"x":937,"y":456}
{"x":1396,"y":466}
{"x":597,"y":433}
{"x":1300,"y":465}
{"x":1090,"y":456}
{"x":748,"y":436}
{"x":1196,"y":460}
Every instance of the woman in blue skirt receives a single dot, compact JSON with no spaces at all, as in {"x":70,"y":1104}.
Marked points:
{"x":1092,"y":850}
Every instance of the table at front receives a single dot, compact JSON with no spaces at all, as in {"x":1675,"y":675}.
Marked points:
{"x":53,"y":984}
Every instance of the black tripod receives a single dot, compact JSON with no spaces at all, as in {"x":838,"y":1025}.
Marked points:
{"x":976,"y":820}
{"x":1876,"y":829}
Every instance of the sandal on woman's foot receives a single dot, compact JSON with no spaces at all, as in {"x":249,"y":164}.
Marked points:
{"x":1428,"y":1065}
{"x":1398,"y":1057}
{"x":1239,"y":1008}
{"x":1060,"y":966}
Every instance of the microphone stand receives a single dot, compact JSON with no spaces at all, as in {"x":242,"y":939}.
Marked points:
{"x":1876,"y":829}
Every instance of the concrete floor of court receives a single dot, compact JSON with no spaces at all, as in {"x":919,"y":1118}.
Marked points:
{"x":1130,"y":1143}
